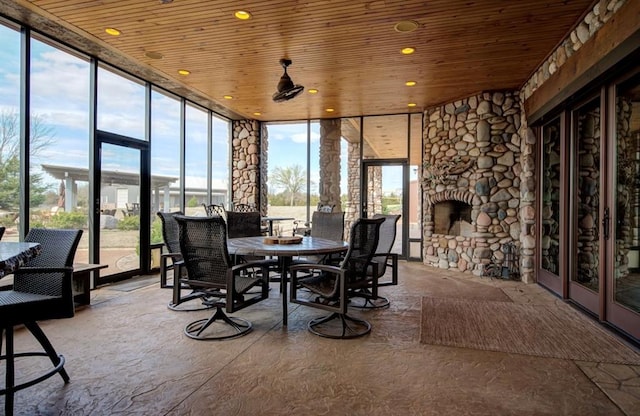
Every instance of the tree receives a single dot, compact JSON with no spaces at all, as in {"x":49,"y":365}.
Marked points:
{"x":42,"y":136}
{"x":291,"y":178}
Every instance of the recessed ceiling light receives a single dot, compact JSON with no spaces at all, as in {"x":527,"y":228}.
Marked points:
{"x":408,"y":51}
{"x":329,"y":110}
{"x":183,"y":72}
{"x":227,"y":97}
{"x":410,"y":83}
{"x":411,"y":105}
{"x":406,"y":26}
{"x":242,"y":15}
{"x":313,"y":91}
{"x":112,"y":31}
{"x":153,"y":55}
{"x":257,"y":113}
{"x":166,"y":1}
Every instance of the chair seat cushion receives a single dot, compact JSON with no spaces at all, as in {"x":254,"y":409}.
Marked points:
{"x":20,"y":307}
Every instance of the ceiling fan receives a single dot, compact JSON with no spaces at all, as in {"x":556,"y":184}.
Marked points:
{"x":286,"y":88}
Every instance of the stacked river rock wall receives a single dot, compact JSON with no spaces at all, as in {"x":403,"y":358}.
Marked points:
{"x":472,"y":152}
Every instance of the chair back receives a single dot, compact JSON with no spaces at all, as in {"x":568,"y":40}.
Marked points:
{"x":214,"y":209}
{"x":329,"y":225}
{"x":387,"y":237}
{"x":243,"y":224}
{"x":244,"y":208}
{"x":362,"y":245}
{"x":170,"y":230}
{"x":2,"y":232}
{"x":47,"y":276}
{"x":58,"y":246}
{"x":203,"y":244}
{"x":325,"y":208}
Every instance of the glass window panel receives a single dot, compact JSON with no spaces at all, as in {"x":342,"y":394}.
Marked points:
{"x":287,"y":177}
{"x":196,"y":157}
{"x":9,"y":131}
{"x":220,"y":162}
{"x":165,"y":158}
{"x":59,"y":135}
{"x":121,"y":104}
{"x":550,"y":241}
{"x":314,"y":165}
{"x":627,"y":204}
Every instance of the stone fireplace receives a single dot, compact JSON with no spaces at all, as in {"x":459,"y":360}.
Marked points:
{"x":471,"y":181}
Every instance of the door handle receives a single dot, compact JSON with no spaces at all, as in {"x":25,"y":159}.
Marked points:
{"x":606,"y":220}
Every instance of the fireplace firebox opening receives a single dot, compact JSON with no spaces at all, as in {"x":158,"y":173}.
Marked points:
{"x":453,"y":218}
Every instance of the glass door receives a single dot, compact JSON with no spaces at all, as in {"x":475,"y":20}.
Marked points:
{"x":590,"y":216}
{"x":385,"y":194}
{"x":623,"y":285}
{"x":552,"y":212}
{"x":121,"y":207}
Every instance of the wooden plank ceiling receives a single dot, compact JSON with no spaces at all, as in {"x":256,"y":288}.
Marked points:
{"x":348,"y":50}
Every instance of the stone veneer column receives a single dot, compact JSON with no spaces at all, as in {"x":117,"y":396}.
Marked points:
{"x":352,"y":210}
{"x":374,"y":190}
{"x":247,"y":152}
{"x":330,"y":134}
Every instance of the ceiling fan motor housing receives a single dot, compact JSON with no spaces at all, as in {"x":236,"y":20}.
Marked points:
{"x":286,"y":88}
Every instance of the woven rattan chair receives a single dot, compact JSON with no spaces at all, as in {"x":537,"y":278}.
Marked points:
{"x":42,"y":290}
{"x":215,"y":209}
{"x":364,"y":298}
{"x":203,"y":243}
{"x":331,"y":286}
{"x":171,"y":236}
{"x":244,"y":208}
{"x":247,"y":224}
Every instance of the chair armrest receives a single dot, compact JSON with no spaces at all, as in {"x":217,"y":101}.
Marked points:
{"x":51,"y":281}
{"x":173,"y":256}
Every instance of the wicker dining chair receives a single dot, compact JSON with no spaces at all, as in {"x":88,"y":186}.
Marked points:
{"x":203,"y":243}
{"x":332,"y":286}
{"x":171,"y":237}
{"x":363,"y":297}
{"x":215,"y":209}
{"x":42,"y":290}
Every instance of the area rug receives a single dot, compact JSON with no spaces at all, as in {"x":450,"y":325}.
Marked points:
{"x":555,"y":331}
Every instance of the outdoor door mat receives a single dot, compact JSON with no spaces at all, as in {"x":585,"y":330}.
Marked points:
{"x":556,"y":331}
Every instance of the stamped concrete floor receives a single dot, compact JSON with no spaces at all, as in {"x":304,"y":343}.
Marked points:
{"x":126,"y":354}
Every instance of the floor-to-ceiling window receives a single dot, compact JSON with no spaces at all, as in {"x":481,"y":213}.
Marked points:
{"x":293,"y":172}
{"x":59,"y":149}
{"x":62,"y":169}
{"x":195,"y":162}
{"x":165,"y":152}
{"x":9,"y":130}
{"x":220,"y":161}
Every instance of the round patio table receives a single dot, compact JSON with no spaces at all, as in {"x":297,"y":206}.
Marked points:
{"x":255,"y":246}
